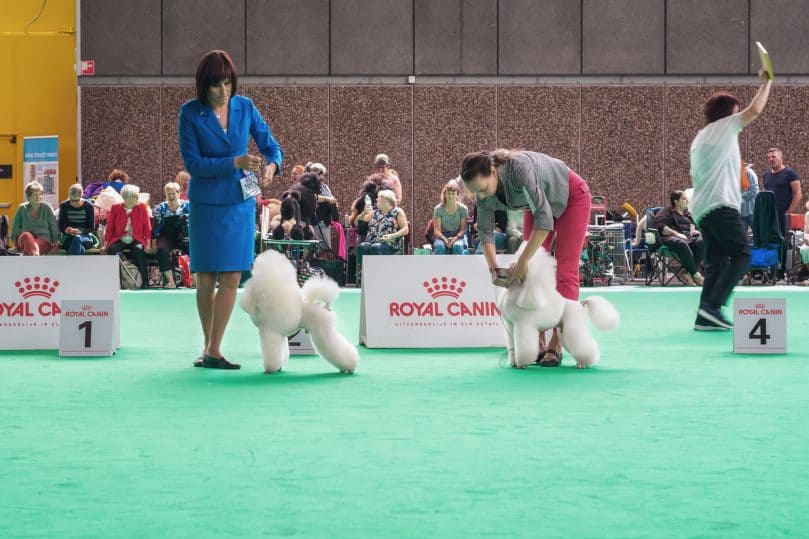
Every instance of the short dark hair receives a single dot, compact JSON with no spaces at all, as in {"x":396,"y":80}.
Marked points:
{"x":214,"y":66}
{"x":675,"y":196}
{"x":720,"y":105}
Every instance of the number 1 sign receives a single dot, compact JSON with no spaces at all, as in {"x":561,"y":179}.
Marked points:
{"x":760,"y":326}
{"x":86,"y":328}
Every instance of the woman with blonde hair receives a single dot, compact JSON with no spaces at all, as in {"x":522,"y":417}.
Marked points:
{"x":171,"y":224}
{"x":449,"y":222}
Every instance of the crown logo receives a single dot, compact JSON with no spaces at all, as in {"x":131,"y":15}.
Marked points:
{"x":444,"y":286}
{"x":37,"y":286}
{"x":759,"y":305}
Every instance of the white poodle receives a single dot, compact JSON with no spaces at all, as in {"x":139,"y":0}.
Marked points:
{"x":279,"y":308}
{"x":536,"y":306}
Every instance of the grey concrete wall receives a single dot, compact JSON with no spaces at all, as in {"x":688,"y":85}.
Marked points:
{"x":447,"y":37}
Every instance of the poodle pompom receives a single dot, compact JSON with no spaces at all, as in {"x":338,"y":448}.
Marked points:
{"x":603,"y":314}
{"x":320,"y":289}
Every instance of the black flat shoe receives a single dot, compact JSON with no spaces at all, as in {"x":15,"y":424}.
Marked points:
{"x":210,"y":362}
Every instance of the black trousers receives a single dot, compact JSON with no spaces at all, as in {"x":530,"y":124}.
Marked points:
{"x":165,"y":245}
{"x":727,"y":254}
{"x":137,"y":254}
{"x":689,"y":253}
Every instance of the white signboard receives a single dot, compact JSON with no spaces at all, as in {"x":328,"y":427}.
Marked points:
{"x":86,"y":328}
{"x":300,"y":344}
{"x":429,"y":302}
{"x":760,"y":326}
{"x":32,"y":289}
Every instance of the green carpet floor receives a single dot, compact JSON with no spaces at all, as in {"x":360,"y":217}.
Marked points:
{"x":671,"y":435}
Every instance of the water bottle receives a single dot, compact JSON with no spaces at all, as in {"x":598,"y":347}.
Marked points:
{"x":367,"y":202}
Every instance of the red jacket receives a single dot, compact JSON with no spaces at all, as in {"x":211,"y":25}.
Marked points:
{"x":116,"y":224}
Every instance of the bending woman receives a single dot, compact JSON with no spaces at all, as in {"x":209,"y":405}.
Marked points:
{"x":557,"y":201}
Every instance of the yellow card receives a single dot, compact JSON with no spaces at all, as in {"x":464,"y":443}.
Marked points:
{"x":766,"y":63}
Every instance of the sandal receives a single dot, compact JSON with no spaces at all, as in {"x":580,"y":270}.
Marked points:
{"x":540,"y":355}
{"x":209,"y":362}
{"x":686,"y":278}
{"x":552,"y":358}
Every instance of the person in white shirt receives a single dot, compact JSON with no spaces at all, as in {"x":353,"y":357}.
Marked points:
{"x":716,"y":175}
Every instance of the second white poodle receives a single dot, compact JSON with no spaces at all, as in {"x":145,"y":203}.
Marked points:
{"x":535,"y":306}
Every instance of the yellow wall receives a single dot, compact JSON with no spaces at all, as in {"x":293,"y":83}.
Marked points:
{"x":38,"y":84}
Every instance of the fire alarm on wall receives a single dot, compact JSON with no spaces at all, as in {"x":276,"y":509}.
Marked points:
{"x":88,"y":68}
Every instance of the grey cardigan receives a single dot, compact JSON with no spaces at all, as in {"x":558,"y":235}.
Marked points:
{"x":530,"y":180}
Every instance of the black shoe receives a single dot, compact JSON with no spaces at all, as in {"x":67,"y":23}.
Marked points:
{"x":703,"y":324}
{"x":714,"y":314}
{"x":210,"y":362}
{"x":198,"y":362}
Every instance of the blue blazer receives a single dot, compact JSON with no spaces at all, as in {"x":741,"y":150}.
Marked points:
{"x":208,"y":151}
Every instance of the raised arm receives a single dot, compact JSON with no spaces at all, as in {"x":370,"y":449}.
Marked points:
{"x":756,"y":106}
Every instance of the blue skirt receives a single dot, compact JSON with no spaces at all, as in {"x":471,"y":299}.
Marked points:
{"x":222,"y":237}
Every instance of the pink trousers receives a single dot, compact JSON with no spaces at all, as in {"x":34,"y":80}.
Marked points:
{"x":30,"y":245}
{"x":569,"y":230}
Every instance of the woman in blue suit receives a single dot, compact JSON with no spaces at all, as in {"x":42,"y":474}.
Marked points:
{"x":214,"y":131}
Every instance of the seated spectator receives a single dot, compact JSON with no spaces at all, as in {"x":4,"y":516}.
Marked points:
{"x":128,"y":227}
{"x":372,"y":186}
{"x":507,"y":231}
{"x":182,"y":179}
{"x":77,"y":222}
{"x":117,"y":179}
{"x":327,"y":207}
{"x":805,"y":246}
{"x":297,"y":170}
{"x":679,"y":233}
{"x":449,"y":222}
{"x":34,"y":228}
{"x":639,"y":241}
{"x":387,"y":225}
{"x":382,"y":165}
{"x":171,"y":225}
{"x":749,"y":193}
{"x":4,"y":251}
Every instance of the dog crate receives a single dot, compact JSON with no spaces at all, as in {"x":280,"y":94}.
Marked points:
{"x":614,"y":239}
{"x":598,"y":210}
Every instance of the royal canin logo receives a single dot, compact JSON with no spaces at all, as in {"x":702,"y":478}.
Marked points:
{"x":38,"y":286}
{"x":32,"y":288}
{"x":444,"y":287}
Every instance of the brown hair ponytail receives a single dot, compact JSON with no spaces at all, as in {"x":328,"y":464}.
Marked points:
{"x":482,"y":162}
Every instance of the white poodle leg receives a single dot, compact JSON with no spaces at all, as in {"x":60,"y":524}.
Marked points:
{"x":576,"y":337}
{"x":509,"y":327}
{"x":336,"y":349}
{"x":330,"y":343}
{"x":526,"y":344}
{"x":274,"y":348}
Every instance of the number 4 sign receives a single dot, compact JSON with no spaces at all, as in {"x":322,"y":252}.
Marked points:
{"x":760,"y":326}
{"x":86,"y":328}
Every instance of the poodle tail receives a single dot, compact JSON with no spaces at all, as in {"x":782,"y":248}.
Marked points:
{"x":602,"y":313}
{"x":320,"y":290}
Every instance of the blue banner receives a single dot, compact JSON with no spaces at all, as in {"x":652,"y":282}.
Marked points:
{"x":41,"y":164}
